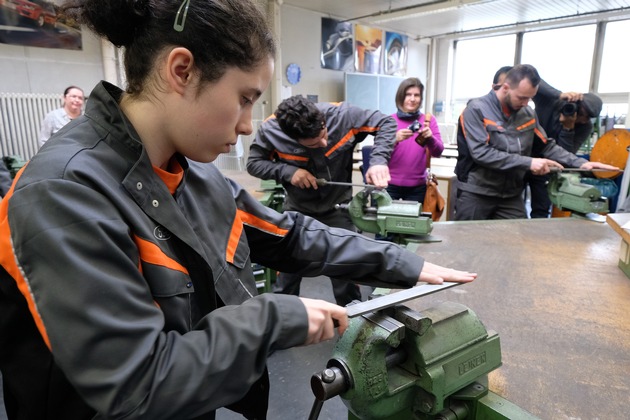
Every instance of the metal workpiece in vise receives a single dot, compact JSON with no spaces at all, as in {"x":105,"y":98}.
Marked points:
{"x":273,"y":196}
{"x":566,"y":192}
{"x":373,"y":210}
{"x":397,"y":363}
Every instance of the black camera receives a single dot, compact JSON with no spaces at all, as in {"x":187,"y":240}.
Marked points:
{"x":415,"y":127}
{"x":569,"y":108}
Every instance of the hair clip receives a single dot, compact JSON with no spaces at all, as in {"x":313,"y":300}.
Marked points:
{"x":179,"y":25}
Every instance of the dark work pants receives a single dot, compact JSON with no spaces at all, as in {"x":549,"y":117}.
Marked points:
{"x":345,"y":291}
{"x":416,"y":193}
{"x":540,"y":202}
{"x":470,"y":206}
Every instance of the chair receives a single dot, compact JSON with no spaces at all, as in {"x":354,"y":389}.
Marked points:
{"x":234,"y":159}
{"x":366,"y":151}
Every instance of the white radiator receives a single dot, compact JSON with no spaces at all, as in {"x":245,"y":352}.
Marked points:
{"x":21,"y":116}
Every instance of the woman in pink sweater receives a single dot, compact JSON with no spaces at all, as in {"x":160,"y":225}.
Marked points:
{"x":416,"y":134}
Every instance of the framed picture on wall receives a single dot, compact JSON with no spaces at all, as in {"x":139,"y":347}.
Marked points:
{"x":395,"y":60}
{"x":368,"y":44}
{"x":37,"y":23}
{"x":337,"y":45}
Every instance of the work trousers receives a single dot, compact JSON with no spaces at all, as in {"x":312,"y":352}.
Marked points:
{"x":471,"y":206}
{"x":416,"y":193}
{"x":539,"y":197}
{"x":344,"y":290}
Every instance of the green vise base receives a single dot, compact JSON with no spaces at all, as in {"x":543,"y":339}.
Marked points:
{"x":387,"y":216}
{"x":273,"y":195}
{"x":566,"y":192}
{"x":401,"y":364}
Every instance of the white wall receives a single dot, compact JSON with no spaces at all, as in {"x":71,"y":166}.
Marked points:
{"x":43,"y":70}
{"x":46,"y":70}
{"x":301,"y":44}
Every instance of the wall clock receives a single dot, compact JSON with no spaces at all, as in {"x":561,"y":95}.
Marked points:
{"x":294,"y":73}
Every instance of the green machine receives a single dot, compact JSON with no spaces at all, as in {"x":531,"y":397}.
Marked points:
{"x":273,"y":197}
{"x":566,"y":192}
{"x":273,"y":194}
{"x":394,"y":363}
{"x":373,"y":210}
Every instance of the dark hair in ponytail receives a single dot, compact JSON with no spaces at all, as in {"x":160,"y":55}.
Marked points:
{"x":219,"y":33}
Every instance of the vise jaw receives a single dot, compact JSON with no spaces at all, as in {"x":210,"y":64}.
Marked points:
{"x":385,"y":216}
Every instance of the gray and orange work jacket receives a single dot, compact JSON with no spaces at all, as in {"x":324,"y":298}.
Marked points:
{"x":495,"y":148}
{"x":121,"y":298}
{"x":275,"y":155}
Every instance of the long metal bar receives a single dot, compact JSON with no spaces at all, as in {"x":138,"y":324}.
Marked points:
{"x":321,"y":182}
{"x":396,"y":298}
{"x":554,"y":169}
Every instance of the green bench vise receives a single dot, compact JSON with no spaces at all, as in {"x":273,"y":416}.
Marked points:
{"x":384,"y":216}
{"x":566,"y":192}
{"x":399,"y":364}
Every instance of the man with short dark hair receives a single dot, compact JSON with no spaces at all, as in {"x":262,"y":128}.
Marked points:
{"x":499,"y":77}
{"x":305,"y":141}
{"x":497,"y":136}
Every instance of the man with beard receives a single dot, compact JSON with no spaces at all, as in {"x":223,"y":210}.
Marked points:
{"x":497,"y":136}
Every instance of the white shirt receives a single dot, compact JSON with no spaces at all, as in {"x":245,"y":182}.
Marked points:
{"x":52,"y":123}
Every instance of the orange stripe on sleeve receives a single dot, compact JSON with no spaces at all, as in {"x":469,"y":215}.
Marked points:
{"x":258,"y":223}
{"x":349,"y":135}
{"x":152,"y":254}
{"x":292,"y":157}
{"x":540,"y":135}
{"x":244,"y":218}
{"x":487,"y":122}
{"x":9,"y":262}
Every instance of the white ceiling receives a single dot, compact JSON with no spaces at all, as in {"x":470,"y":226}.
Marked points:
{"x":438,"y":18}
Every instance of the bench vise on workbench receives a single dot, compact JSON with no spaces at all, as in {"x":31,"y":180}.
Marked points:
{"x":397,"y":363}
{"x":566,"y":192}
{"x":385,"y":216}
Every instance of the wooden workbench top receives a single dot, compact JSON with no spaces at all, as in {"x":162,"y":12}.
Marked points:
{"x":552,"y":290}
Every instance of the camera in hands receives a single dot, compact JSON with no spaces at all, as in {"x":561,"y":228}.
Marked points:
{"x":415,"y":127}
{"x":569,"y":108}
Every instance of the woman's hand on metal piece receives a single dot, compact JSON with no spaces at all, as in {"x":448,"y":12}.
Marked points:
{"x":436,"y":274}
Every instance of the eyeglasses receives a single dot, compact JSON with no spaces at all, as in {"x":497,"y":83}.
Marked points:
{"x":178,"y":25}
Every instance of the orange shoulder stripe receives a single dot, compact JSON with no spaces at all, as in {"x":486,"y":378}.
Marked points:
{"x":9,"y":262}
{"x":152,"y":254}
{"x":235,"y":235}
{"x":243,"y":218}
{"x":349,"y":135}
{"x":527,"y":124}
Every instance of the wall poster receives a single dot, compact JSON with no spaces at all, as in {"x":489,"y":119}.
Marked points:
{"x":38,"y":23}
{"x":368,"y":47}
{"x":395,"y":61}
{"x":337,"y":45}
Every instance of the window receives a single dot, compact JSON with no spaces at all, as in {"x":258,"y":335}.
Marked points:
{"x":613,"y":75}
{"x":563,"y":57}
{"x":476,"y":62}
